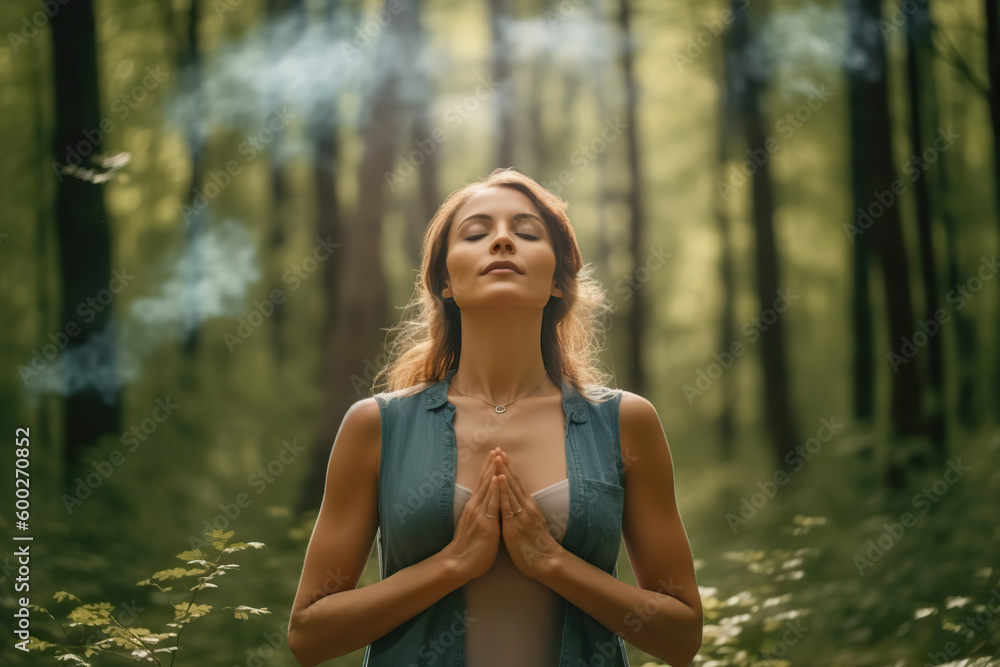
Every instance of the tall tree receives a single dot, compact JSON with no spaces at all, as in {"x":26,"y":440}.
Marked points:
{"x":286,"y":17}
{"x":749,"y":69}
{"x":499,"y":26}
{"x":872,"y":180}
{"x":637,"y":313}
{"x":419,"y":107}
{"x":967,"y":367}
{"x":361,"y":293}
{"x":993,"y":69}
{"x":918,"y":27}
{"x":82,"y":224}
{"x":194,"y":208}
{"x":322,"y":131}
{"x":728,"y":117}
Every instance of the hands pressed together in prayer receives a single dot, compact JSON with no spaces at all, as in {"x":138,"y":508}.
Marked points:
{"x":525,"y":531}
{"x":500,"y":507}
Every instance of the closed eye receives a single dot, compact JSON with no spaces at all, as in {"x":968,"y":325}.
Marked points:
{"x":479,"y":236}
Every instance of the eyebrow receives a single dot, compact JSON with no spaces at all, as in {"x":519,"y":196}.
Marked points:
{"x":488,"y":217}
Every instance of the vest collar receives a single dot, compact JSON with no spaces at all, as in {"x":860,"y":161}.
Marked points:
{"x":437,"y":395}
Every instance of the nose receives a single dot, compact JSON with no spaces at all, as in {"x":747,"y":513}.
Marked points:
{"x":503,"y":241}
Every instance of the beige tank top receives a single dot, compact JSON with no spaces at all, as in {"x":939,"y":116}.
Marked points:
{"x":518,"y":620}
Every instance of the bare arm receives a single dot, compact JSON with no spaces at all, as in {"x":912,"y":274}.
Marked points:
{"x":663,"y":614}
{"x":330,"y":616}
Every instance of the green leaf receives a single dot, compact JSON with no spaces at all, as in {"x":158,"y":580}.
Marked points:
{"x":218,"y":534}
{"x":172,"y":573}
{"x":242,"y":611}
{"x":91,"y":614}
{"x":63,"y":595}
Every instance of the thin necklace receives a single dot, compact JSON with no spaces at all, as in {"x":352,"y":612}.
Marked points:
{"x":500,"y":409}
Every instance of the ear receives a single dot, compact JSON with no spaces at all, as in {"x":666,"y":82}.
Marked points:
{"x":446,"y":292}
{"x":556,"y":292}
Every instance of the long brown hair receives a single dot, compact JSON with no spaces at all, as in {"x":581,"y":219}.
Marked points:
{"x":428,"y":341}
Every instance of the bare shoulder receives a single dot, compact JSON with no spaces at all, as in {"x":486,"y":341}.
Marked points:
{"x":362,"y":427}
{"x":636,"y":414}
{"x":639,"y":429}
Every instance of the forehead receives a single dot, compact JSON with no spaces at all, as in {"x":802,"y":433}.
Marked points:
{"x":495,"y":201}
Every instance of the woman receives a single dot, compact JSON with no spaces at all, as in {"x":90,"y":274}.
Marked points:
{"x":497,"y":472}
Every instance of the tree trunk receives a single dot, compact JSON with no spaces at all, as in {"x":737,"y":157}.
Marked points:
{"x":917,"y":40}
{"x":504,"y":95}
{"x":968,"y":410}
{"x":420,"y":109}
{"x":353,"y":348}
{"x":637,"y":313}
{"x":779,"y":412}
{"x":873,"y":176}
{"x":195,"y":211}
{"x":728,"y":117}
{"x":993,"y":66}
{"x":83,"y":230}
{"x":535,"y":119}
{"x":280,"y":11}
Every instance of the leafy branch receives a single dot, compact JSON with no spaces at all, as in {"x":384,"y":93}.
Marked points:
{"x":141,"y":642}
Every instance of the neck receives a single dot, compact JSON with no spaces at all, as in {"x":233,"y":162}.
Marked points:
{"x":501,"y":357}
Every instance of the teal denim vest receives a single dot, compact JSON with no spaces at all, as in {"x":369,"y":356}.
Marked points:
{"x":416,"y":490}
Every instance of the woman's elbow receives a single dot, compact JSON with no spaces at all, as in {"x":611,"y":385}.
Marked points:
{"x":683,"y":652}
{"x":297,"y":645}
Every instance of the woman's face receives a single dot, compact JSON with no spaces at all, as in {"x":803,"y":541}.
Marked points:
{"x":500,"y":224}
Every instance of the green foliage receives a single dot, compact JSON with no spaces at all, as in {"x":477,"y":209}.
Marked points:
{"x":856,"y":583}
{"x":123,"y":639}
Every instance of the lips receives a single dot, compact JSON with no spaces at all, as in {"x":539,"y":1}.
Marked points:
{"x":501,"y":264}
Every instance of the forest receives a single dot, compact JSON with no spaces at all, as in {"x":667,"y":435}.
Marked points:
{"x":212,"y":214}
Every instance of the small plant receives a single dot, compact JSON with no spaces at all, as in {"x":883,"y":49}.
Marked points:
{"x":140,"y":644}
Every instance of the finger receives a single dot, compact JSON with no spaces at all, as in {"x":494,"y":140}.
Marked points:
{"x":512,"y":483}
{"x":505,"y":497}
{"x":493,"y":506}
{"x":482,"y":485}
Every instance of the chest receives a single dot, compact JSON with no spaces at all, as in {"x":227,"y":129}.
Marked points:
{"x":532,"y":434}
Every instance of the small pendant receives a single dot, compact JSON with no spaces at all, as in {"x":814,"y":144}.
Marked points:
{"x":500,"y":409}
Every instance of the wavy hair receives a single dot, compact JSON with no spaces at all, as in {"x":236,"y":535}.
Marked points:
{"x":428,"y":341}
